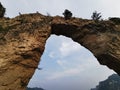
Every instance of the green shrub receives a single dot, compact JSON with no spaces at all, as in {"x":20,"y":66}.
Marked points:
{"x":96,"y":16}
{"x":67,"y":14}
{"x":2,"y":11}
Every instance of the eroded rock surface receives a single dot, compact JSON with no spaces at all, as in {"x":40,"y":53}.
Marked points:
{"x":22,"y":42}
{"x":23,"y":38}
{"x":101,"y":38}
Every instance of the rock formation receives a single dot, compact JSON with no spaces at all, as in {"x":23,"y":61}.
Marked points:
{"x":101,"y":38}
{"x":23,"y":38}
{"x":22,"y":42}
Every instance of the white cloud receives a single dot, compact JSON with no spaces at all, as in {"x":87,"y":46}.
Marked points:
{"x":77,"y":69}
{"x":52,"y":54}
{"x":80,"y":8}
{"x":69,"y":47}
{"x":62,"y":63}
{"x":65,"y":73}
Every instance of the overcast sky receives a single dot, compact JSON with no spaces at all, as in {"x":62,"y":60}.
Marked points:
{"x":80,"y":8}
{"x":66,"y":65}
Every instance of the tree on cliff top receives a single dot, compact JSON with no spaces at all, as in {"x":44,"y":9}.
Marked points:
{"x":67,"y":14}
{"x":96,"y":16}
{"x":2,"y":11}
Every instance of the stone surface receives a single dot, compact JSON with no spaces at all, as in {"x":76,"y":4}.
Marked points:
{"x":101,"y":38}
{"x":22,"y":42}
{"x":23,"y":38}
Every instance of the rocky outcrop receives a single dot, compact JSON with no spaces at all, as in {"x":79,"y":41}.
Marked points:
{"x":23,"y":38}
{"x":22,"y":42}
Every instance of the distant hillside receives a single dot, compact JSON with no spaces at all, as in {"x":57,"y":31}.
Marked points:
{"x":34,"y":88}
{"x":112,"y":83}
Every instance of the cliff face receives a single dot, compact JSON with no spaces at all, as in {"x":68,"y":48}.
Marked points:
{"x":22,"y":41}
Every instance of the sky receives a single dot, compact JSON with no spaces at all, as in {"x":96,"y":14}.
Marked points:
{"x":66,"y":65}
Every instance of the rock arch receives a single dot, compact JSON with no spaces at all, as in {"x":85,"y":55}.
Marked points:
{"x":22,"y":41}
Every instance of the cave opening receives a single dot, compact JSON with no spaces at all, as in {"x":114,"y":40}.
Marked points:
{"x":66,"y":65}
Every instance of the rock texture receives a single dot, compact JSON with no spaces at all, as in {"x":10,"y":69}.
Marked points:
{"x":22,"y":42}
{"x":23,"y":38}
{"x":101,"y":38}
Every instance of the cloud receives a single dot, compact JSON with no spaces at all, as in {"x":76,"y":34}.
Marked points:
{"x":80,"y":8}
{"x":69,"y":47}
{"x":65,"y":73}
{"x":62,"y":63}
{"x":75,"y":69}
{"x":52,"y":54}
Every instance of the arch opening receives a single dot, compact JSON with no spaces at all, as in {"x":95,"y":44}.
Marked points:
{"x":68,"y":66}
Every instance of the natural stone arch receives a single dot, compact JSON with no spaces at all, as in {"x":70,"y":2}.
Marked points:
{"x":22,"y":41}
{"x":100,"y":38}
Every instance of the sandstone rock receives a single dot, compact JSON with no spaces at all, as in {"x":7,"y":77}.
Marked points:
{"x":22,"y":42}
{"x":23,"y":38}
{"x":101,"y":38}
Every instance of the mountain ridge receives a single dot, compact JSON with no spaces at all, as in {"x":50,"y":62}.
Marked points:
{"x":111,"y":83}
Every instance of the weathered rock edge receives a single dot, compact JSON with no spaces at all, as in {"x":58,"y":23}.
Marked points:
{"x":23,"y":38}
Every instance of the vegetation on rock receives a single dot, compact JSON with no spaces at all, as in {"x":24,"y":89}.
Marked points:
{"x":96,"y":16}
{"x":112,"y":83}
{"x":67,"y":14}
{"x":2,"y":11}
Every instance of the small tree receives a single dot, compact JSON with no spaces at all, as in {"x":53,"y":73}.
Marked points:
{"x":2,"y":11}
{"x":67,"y":14}
{"x":96,"y":16}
